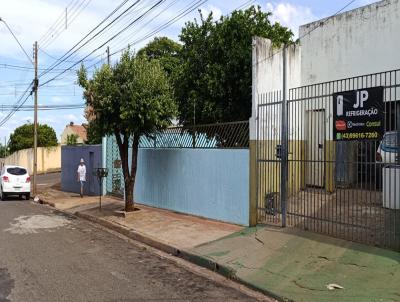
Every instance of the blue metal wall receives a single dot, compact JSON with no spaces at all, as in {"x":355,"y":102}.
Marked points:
{"x":70,"y":157}
{"x":212,"y":183}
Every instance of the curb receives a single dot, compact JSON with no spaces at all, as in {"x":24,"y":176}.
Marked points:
{"x":199,"y":260}
{"x":44,"y":201}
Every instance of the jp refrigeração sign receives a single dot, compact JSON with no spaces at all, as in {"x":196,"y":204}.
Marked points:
{"x":358,"y":114}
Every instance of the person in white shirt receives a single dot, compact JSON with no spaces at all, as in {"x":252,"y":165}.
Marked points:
{"x":81,"y":173}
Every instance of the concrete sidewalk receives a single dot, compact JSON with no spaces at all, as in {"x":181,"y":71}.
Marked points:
{"x":284,"y":263}
{"x":155,"y":226}
{"x":298,"y":266}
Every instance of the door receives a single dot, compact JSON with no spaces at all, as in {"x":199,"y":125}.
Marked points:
{"x":315,"y":148}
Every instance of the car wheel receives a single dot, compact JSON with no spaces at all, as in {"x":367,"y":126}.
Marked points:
{"x":3,"y":195}
{"x":28,"y":196}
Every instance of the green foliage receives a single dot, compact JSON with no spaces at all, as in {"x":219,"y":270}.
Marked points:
{"x":93,"y":136}
{"x":134,"y":97}
{"x":214,"y":84}
{"x":166,"y":51}
{"x":72,"y":139}
{"x":22,"y":138}
{"x":2,"y":151}
{"x":130,"y":99}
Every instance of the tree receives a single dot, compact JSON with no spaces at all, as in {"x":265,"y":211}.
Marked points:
{"x":215,"y":82}
{"x":166,"y":51}
{"x":3,"y":151}
{"x":22,"y":138}
{"x":72,"y":139}
{"x":128,"y":100}
{"x":93,"y":135}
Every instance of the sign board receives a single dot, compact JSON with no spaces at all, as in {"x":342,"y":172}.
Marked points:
{"x":358,"y":114}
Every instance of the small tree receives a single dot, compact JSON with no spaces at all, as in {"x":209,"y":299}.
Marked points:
{"x":128,"y":100}
{"x":22,"y":138}
{"x":72,"y":139}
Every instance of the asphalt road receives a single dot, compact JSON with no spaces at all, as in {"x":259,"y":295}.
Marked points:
{"x":49,"y":179}
{"x":47,"y":256}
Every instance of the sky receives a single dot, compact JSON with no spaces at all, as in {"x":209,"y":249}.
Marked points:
{"x":44,"y":21}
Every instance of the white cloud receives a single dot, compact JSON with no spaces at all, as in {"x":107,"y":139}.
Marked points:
{"x":71,"y":117}
{"x":291,"y":15}
{"x":56,"y":99}
{"x":217,"y":12}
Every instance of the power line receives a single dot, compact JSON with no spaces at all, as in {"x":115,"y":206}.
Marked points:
{"x":310,"y":31}
{"x":113,"y":37}
{"x":18,"y":104}
{"x":62,"y":58}
{"x":73,"y":16}
{"x":16,"y":39}
{"x":53,"y":57}
{"x":20,"y":67}
{"x":54,"y":25}
{"x":43,"y":107}
{"x":244,"y":5}
{"x":194,"y":5}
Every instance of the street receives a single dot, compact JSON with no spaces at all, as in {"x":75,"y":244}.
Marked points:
{"x":47,"y":256}
{"x":48,"y":179}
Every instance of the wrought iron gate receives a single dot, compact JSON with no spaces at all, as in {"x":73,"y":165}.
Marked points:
{"x":344,"y":188}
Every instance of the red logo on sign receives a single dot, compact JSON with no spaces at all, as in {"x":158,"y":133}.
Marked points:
{"x":340,"y":125}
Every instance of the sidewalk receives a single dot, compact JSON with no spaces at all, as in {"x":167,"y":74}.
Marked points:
{"x":286,"y":263}
{"x":173,"y":230}
{"x":299,"y":265}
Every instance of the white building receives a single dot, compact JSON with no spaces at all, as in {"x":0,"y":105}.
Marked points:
{"x":353,"y":50}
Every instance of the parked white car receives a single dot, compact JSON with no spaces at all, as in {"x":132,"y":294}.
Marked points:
{"x":15,"y":180}
{"x":389,"y":148}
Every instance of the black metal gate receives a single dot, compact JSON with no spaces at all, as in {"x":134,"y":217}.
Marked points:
{"x":344,"y":188}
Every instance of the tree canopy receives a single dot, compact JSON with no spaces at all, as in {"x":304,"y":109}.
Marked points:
{"x":166,"y":51}
{"x":93,"y":135}
{"x":129,"y":99}
{"x":22,"y":138}
{"x":214,"y":84}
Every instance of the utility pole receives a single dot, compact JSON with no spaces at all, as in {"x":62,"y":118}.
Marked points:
{"x":284,"y":140}
{"x":35,"y":119}
{"x":66,"y":17}
{"x":108,"y":55}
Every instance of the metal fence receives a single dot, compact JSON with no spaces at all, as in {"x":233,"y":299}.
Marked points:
{"x":221,"y":135}
{"x":234,"y":135}
{"x":340,"y":175}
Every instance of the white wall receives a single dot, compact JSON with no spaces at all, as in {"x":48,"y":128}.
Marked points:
{"x":359,"y":42}
{"x":362,"y":41}
{"x":268,"y":73}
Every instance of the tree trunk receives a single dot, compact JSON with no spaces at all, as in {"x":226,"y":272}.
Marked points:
{"x":129,"y":175}
{"x":130,"y":203}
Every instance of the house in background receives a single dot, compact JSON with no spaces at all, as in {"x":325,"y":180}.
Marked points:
{"x":78,"y":130}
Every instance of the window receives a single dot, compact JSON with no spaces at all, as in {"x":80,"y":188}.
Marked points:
{"x":16,"y":171}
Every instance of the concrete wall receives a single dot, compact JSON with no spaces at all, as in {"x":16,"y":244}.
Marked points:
{"x":70,"y":158}
{"x":362,"y":41}
{"x":267,"y":73}
{"x":210,"y":183}
{"x":49,"y":159}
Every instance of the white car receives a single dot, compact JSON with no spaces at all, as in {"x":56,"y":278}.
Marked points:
{"x":15,"y":180}
{"x":389,"y":148}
